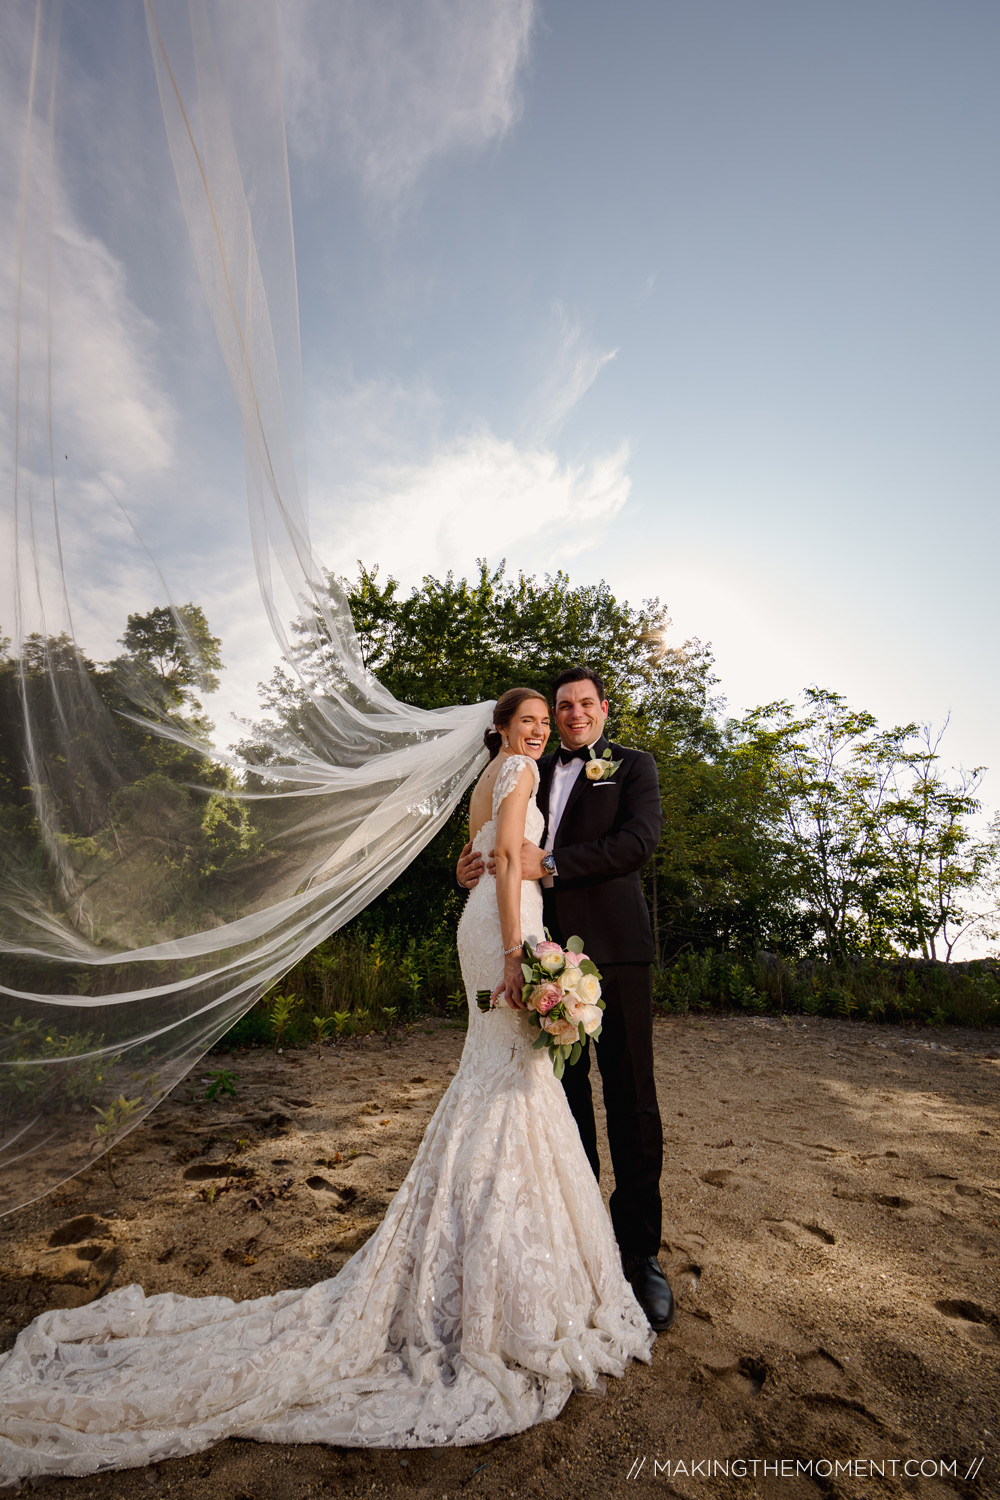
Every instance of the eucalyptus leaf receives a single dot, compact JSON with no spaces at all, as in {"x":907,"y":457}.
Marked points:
{"x":574,"y":945}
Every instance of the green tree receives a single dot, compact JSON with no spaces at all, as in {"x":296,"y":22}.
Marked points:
{"x":459,"y":640}
{"x":834,"y":772}
{"x":177,"y":649}
{"x":875,"y":839}
{"x":456,"y":641}
{"x":718,"y":880}
{"x":96,"y":807}
{"x":943,"y":869}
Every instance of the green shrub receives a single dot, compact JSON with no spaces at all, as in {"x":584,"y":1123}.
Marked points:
{"x":355,"y":979}
{"x":896,"y":990}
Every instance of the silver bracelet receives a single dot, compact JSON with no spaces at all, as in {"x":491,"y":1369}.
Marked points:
{"x":516,"y":949}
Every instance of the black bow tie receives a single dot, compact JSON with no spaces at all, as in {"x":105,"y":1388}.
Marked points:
{"x":565,"y":756}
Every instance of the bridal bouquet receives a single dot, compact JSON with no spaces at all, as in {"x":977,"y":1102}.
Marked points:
{"x":562,"y":993}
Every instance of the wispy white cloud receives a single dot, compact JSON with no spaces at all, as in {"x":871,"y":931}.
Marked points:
{"x":111,"y":406}
{"x":484,"y":496}
{"x":86,"y":378}
{"x":390,"y":488}
{"x":386,"y":87}
{"x":575,"y":362}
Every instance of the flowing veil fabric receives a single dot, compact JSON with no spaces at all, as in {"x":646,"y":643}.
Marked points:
{"x":149,"y":896}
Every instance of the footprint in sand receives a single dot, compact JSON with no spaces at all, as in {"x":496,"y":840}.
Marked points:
{"x":804,"y":1235}
{"x":822,"y":1369}
{"x":967,"y":1312}
{"x":205,"y":1171}
{"x":744,"y":1376}
{"x":78,"y":1264}
{"x":83,"y":1227}
{"x":341,"y":1196}
{"x":720,"y":1177}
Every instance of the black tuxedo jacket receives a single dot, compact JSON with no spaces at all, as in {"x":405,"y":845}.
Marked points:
{"x":608,"y":831}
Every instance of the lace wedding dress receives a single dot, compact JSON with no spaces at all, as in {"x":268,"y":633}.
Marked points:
{"x":492,"y":1288}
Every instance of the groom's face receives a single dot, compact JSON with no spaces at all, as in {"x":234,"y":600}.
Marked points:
{"x":580,"y":714}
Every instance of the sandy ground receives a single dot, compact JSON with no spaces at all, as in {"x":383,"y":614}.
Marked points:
{"x":831,"y":1214}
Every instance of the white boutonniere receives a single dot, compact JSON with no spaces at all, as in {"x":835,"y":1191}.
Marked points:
{"x":600,"y":769}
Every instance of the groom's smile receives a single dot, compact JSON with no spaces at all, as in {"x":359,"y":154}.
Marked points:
{"x":580,"y":714}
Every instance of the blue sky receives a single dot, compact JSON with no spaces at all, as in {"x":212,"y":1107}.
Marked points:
{"x":699,"y":298}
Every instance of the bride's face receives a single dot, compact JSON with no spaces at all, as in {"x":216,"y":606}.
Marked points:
{"x":528,"y":730}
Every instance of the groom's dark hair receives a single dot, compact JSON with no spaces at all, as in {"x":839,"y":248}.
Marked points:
{"x":580,"y":674}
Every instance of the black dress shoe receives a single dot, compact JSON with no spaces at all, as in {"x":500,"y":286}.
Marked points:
{"x":652,"y":1290}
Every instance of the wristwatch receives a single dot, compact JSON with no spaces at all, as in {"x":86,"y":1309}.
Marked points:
{"x":549,"y":864}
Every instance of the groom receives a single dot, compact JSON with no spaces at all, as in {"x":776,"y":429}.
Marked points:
{"x":600,"y":829}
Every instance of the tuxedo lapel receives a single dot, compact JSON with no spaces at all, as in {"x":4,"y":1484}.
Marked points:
{"x":546,"y":766}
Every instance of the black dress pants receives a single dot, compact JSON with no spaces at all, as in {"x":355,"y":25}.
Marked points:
{"x":635,"y":1135}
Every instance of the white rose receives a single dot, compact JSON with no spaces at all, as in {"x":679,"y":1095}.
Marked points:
{"x":569,"y":979}
{"x":589,"y":988}
{"x":550,"y":962}
{"x":592,"y":1017}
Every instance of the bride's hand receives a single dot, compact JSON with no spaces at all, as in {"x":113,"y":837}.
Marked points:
{"x":512,"y":983}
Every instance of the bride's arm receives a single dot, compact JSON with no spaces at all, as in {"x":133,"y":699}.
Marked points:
{"x":510,"y":836}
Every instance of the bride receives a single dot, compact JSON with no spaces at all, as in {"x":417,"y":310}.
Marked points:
{"x":491,"y":1290}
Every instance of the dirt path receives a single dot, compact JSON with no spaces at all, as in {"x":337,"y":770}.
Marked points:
{"x":832,"y":1208}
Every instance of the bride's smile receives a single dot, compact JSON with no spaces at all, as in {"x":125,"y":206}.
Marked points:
{"x":528,"y":732}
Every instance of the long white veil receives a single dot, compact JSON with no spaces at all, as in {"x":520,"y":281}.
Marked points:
{"x":127,"y":950}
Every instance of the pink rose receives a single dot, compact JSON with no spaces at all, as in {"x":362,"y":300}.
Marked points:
{"x":545,"y":997}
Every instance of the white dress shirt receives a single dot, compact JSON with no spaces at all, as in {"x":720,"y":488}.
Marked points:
{"x":562,"y":783}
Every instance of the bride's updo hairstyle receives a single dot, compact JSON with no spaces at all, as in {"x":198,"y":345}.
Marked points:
{"x":507,"y":706}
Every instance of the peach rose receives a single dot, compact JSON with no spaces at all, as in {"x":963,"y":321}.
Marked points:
{"x":565,"y":1032}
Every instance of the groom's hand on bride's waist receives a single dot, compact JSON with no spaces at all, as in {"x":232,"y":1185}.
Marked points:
{"x":470,"y":868}
{"x":531,"y":861}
